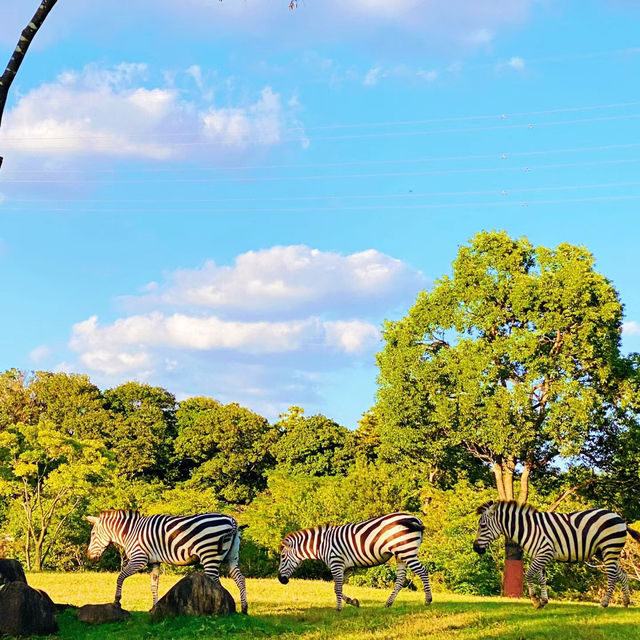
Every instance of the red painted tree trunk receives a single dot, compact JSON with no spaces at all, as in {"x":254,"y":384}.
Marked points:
{"x":513,"y":579}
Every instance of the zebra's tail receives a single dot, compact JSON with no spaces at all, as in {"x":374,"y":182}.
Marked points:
{"x":633,"y":533}
{"x":234,"y":550}
{"x":413,"y":525}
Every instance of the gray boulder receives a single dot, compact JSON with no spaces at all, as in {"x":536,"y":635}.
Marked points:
{"x":195,"y":595}
{"x":11,"y":571}
{"x":25,"y":611}
{"x":102,"y":613}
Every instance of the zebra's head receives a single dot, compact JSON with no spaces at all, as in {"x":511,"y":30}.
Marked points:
{"x":100,"y":537}
{"x":290,"y":558}
{"x":488,"y":527}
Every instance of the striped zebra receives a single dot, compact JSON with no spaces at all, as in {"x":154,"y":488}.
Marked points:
{"x":210,"y":538}
{"x":363,"y":544}
{"x":566,"y":537}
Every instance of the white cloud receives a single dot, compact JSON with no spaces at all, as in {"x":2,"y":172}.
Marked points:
{"x":289,"y":279}
{"x":371,"y":77}
{"x":516,"y":63}
{"x":268,"y":330}
{"x":631,"y":328}
{"x":111,"y":112}
{"x":126,"y":344}
{"x":40,"y":353}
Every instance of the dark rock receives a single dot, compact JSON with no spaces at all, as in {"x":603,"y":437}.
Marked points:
{"x":11,"y":571}
{"x":195,"y":595}
{"x":63,"y":607}
{"x":25,"y":611}
{"x":102,"y":613}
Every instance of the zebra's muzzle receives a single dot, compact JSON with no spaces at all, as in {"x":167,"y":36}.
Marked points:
{"x":282,"y":579}
{"x":478,"y":549}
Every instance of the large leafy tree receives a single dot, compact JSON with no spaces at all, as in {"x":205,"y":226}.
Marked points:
{"x":142,"y":429}
{"x":514,"y":358}
{"x":310,"y":445}
{"x":224,"y":447}
{"x":48,"y":474}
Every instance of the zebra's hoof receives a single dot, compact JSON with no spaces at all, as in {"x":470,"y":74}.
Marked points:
{"x":427,"y":603}
{"x":355,"y":602}
{"x":604,"y":605}
{"x":536,"y":602}
{"x":625,"y":605}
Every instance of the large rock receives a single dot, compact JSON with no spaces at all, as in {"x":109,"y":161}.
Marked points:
{"x":25,"y":611}
{"x":194,"y":595}
{"x":11,"y":571}
{"x":102,"y":613}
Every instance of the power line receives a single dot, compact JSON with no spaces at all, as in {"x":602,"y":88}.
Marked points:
{"x":315,"y":165}
{"x":456,"y":205}
{"x":396,"y":123}
{"x":227,"y":140}
{"x":375,"y":196}
{"x":287,"y":178}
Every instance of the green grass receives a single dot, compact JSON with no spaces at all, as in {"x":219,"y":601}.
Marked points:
{"x":305,"y":609}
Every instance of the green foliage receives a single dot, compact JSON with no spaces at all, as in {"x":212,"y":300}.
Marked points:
{"x":515,"y":358}
{"x":142,"y":429}
{"x":48,"y":475}
{"x":227,"y":447}
{"x":310,"y":445}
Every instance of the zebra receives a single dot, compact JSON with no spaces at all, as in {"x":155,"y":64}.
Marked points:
{"x":362,"y":544}
{"x":566,"y":537}
{"x":211,"y":538}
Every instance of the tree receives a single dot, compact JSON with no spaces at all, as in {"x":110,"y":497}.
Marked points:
{"x":310,"y":445}
{"x":224,"y":447}
{"x":72,"y":402}
{"x":515,"y":358}
{"x":142,"y":429}
{"x":26,"y":37}
{"x":48,"y":474}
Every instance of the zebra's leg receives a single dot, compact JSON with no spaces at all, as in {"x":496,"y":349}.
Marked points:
{"x":155,"y":579}
{"x":211,"y":568}
{"x":134,"y":565}
{"x":612,"y":571}
{"x":416,"y":566}
{"x":231,"y":559}
{"x":238,"y":578}
{"x":401,"y":576}
{"x":337,"y":571}
{"x":624,"y":581}
{"x":615,"y":574}
{"x":538,"y":564}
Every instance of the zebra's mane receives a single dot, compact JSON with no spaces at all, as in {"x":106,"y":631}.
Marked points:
{"x":122,"y":512}
{"x":523,"y":507}
{"x":293,"y":533}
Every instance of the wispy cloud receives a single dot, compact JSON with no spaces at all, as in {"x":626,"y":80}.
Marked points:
{"x":277,"y":319}
{"x":119,"y":112}
{"x":631,"y":328}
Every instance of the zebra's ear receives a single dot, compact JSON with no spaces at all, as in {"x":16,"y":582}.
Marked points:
{"x":92,"y":519}
{"x":484,"y":507}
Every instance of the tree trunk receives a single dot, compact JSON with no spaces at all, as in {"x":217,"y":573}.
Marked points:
{"x":19,"y":52}
{"x":513,"y":577}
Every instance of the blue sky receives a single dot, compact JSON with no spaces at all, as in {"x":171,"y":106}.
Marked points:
{"x":228,"y":198}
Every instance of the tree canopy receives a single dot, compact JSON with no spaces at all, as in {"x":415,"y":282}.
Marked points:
{"x":515,"y":357}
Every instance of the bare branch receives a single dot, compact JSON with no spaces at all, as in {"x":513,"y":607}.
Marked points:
{"x":19,"y":52}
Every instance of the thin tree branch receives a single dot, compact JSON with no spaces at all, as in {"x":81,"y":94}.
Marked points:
{"x":19,"y":52}
{"x":568,"y":492}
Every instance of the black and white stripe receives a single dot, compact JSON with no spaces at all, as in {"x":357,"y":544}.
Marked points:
{"x":209,"y":538}
{"x":363,"y":544}
{"x":566,"y":537}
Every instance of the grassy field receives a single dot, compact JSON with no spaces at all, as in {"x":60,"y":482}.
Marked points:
{"x":304,"y":609}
